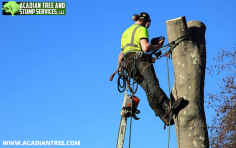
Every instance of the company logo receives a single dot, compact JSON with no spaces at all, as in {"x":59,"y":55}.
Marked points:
{"x":11,"y":7}
{"x":33,"y":8}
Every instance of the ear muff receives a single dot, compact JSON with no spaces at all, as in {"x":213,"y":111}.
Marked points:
{"x":147,"y":25}
{"x":135,"y":17}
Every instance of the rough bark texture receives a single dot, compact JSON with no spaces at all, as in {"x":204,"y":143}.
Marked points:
{"x":189,"y":61}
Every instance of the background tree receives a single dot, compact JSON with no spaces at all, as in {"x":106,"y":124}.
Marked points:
{"x":223,"y":127}
{"x":189,"y":61}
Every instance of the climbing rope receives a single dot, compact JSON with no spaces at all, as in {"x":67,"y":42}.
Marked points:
{"x":174,"y":44}
{"x":132,"y":95}
{"x":162,"y":50}
{"x":122,"y":76}
{"x":160,"y":54}
{"x":170,"y":102}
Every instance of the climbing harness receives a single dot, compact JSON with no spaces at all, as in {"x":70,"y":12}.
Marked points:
{"x":125,"y":73}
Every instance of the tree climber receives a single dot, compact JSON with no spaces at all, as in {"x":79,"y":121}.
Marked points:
{"x":135,"y":39}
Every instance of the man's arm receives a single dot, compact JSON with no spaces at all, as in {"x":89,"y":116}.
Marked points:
{"x":146,"y":47}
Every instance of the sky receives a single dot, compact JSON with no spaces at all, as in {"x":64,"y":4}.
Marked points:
{"x":55,"y":70}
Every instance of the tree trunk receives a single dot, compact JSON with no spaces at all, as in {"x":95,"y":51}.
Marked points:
{"x":189,"y":61}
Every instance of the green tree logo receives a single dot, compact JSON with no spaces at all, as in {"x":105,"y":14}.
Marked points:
{"x":11,"y":7}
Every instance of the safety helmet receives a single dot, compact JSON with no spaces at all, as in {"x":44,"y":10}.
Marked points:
{"x":145,"y":16}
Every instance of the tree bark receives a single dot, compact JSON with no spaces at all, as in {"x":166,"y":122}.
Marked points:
{"x":189,"y":61}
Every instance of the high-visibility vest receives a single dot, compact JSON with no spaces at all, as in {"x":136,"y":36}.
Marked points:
{"x":131,"y":46}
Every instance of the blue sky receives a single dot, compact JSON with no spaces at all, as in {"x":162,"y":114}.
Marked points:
{"x":55,"y":70}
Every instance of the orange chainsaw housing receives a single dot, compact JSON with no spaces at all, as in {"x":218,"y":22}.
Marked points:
{"x":135,"y":102}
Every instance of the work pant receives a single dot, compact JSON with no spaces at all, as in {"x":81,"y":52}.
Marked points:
{"x":150,"y":84}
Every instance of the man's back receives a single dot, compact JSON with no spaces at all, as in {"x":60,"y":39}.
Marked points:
{"x":130,"y":40}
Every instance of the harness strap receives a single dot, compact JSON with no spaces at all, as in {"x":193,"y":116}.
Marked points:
{"x":130,"y":51}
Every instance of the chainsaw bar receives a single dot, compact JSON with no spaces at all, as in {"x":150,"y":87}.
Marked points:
{"x":122,"y":128}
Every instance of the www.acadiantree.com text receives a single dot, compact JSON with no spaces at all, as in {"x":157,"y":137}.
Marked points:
{"x":42,"y":8}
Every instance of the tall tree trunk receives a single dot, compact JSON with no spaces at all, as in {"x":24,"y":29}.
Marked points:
{"x":189,"y":61}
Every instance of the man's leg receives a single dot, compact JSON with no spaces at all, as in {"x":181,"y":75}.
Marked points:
{"x":153,"y":86}
{"x":158,"y":109}
{"x":156,"y":96}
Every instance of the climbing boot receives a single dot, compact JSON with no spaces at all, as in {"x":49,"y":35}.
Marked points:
{"x":165,"y":118}
{"x":174,"y":106}
{"x":159,"y":111}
